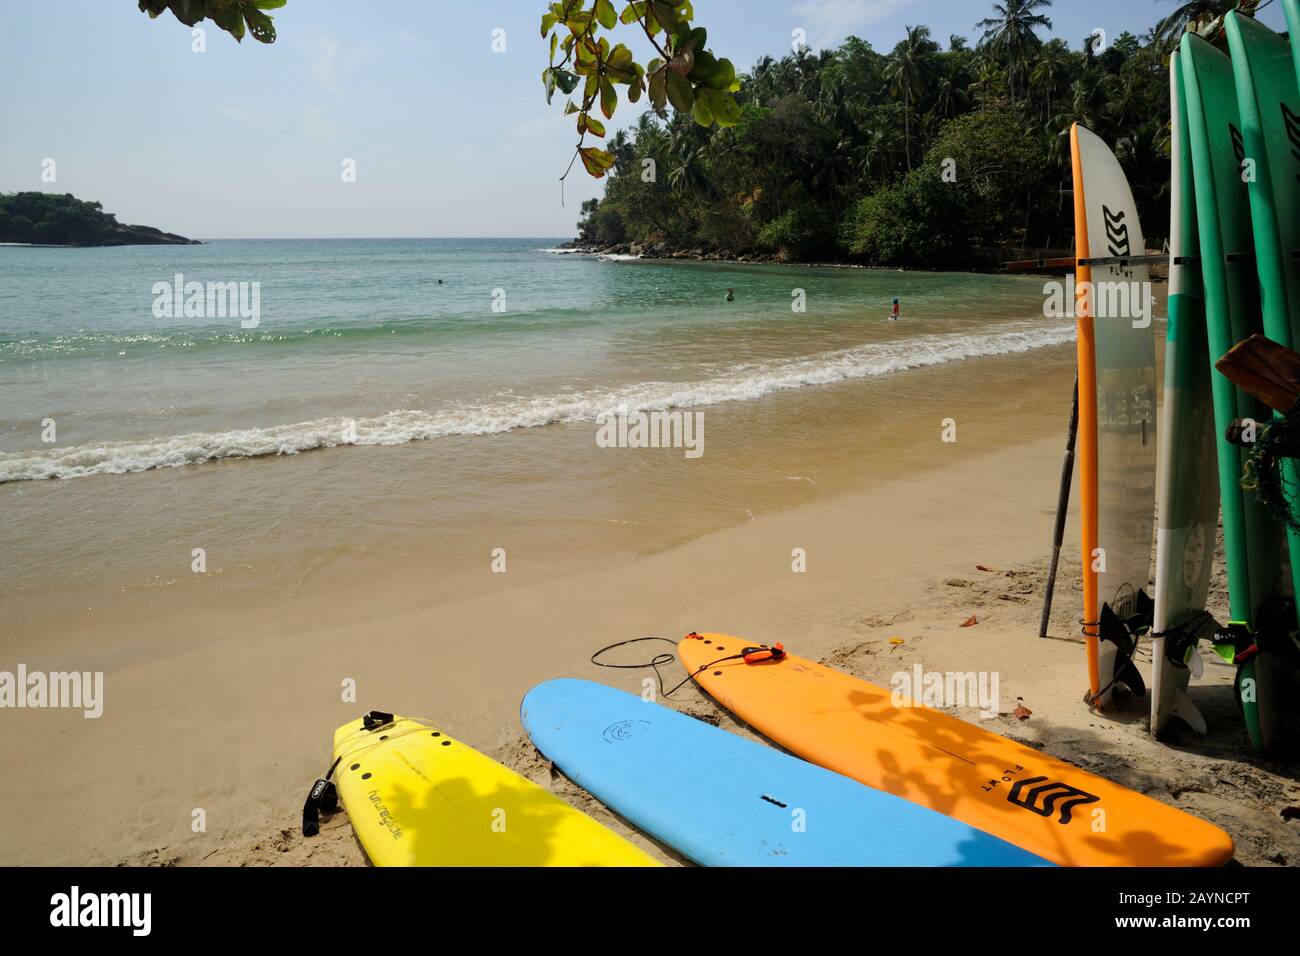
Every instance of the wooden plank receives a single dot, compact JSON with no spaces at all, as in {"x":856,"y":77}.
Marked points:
{"x":1265,"y":369}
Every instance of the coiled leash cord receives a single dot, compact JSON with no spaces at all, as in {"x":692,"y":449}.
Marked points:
{"x":748,"y":655}
{"x":324,"y":796}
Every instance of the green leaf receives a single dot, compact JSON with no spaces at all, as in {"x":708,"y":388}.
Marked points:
{"x":704,"y":68}
{"x":570,"y":108}
{"x":589,"y":124}
{"x":665,"y":14}
{"x":680,"y":93}
{"x":634,"y":90}
{"x":231,"y":20}
{"x":701,"y":111}
{"x":722,"y":107}
{"x":259,"y":25}
{"x":608,"y":98}
{"x":578,"y":22}
{"x":605,"y":14}
{"x":596,"y":160}
{"x":659,"y":89}
{"x":566,"y":81}
{"x":548,"y":22}
{"x":633,"y":12}
{"x":723,"y":76}
{"x":555,"y":41}
{"x":620,"y":58}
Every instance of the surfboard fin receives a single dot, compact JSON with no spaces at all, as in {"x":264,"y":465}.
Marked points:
{"x":1185,"y":710}
{"x":1124,"y":634}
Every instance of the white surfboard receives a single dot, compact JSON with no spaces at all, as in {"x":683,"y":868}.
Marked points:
{"x":1117,"y":405}
{"x":1188,"y":491}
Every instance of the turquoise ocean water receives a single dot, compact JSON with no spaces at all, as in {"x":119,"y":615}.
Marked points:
{"x":373,"y":415}
{"x":360,"y":331}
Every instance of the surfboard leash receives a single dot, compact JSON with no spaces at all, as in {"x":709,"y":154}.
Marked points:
{"x":750,"y":655}
{"x":1126,"y":634}
{"x":323,"y":795}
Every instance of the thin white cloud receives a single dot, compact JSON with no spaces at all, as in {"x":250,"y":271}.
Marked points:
{"x":324,"y":60}
{"x":246,"y":117}
{"x":332,"y":63}
{"x":827,"y":22}
{"x":316,"y":125}
{"x":406,"y":36}
{"x":548,"y":121}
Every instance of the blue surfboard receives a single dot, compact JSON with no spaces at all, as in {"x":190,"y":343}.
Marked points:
{"x":722,"y":800}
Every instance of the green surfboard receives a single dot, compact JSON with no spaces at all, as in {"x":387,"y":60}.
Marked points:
{"x":1188,"y":490}
{"x":1292,"y":10}
{"x":1252,"y":540}
{"x":1268,"y":102}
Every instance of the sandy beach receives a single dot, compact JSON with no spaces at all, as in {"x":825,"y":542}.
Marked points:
{"x":222,"y":704}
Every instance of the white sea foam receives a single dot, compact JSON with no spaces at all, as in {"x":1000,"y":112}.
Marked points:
{"x":730,"y":384}
{"x":617,"y":257}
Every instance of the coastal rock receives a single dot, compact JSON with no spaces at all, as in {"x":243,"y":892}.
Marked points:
{"x":141,"y":236}
{"x":50,"y":219}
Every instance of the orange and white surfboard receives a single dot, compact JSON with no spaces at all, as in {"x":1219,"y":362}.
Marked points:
{"x":1117,"y":414}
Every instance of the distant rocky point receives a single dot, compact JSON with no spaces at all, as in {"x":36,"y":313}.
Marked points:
{"x":50,"y":219}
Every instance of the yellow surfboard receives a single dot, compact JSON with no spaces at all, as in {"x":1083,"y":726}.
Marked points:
{"x":1004,"y":788}
{"x":417,"y":797}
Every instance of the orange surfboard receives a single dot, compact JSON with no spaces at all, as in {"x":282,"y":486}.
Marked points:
{"x":1024,"y":796}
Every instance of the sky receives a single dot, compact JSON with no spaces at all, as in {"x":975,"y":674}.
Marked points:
{"x":448,"y":137}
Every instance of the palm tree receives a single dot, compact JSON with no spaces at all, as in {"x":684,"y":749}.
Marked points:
{"x":688,"y":149}
{"x":1053,"y":62}
{"x":906,"y":74}
{"x":1011,"y":34}
{"x":762,"y":81}
{"x":949,"y":98}
{"x":879,"y":153}
{"x":1199,"y":16}
{"x":986,"y":84}
{"x":1087,"y":107}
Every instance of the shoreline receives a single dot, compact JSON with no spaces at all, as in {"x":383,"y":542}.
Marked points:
{"x":660,"y":252}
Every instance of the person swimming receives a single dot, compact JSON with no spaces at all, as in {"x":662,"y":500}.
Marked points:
{"x":893,"y":313}
{"x":731,"y":295}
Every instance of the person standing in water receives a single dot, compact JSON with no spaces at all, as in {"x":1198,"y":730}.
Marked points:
{"x":893,"y":313}
{"x":731,"y":295}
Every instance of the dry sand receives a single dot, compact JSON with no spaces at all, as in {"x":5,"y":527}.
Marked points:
{"x":885,"y":574}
